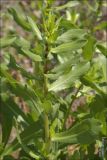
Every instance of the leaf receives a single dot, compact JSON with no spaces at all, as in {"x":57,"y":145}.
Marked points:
{"x":32,"y":132}
{"x":100,"y":26}
{"x":86,"y":81}
{"x":8,"y":158}
{"x":19,"y":19}
{"x":97,"y":105}
{"x":24,"y":146}
{"x":23,"y":47}
{"x":65,"y":81}
{"x":102,"y":49}
{"x":25,"y":92}
{"x":35,"y":28}
{"x":88,"y":49}
{"x":66,"y":25}
{"x":6,"y":121}
{"x":31,"y":55}
{"x":7,"y":41}
{"x":63,"y":67}
{"x":70,"y":35}
{"x":20,"y":42}
{"x":69,"y":47}
{"x":68,"y":5}
{"x":15,"y":42}
{"x":47,"y":105}
{"x":14,"y":65}
{"x":84,"y":132}
{"x":14,"y":109}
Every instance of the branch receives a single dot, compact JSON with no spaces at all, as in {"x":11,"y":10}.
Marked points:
{"x":68,"y":111}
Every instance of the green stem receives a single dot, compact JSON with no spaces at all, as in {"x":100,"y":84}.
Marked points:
{"x":46,"y":123}
{"x":46,"y":120}
{"x":68,"y":111}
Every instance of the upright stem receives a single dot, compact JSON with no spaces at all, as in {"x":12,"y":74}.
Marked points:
{"x":46,"y":120}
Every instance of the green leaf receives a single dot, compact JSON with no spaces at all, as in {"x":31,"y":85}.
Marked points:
{"x":35,"y":28}
{"x":8,"y":158}
{"x":63,"y":67}
{"x":47,"y":105}
{"x":70,"y":35}
{"x":86,"y":81}
{"x":68,"y":5}
{"x":65,"y":81}
{"x":69,"y":47}
{"x":32,"y":132}
{"x":97,"y":105}
{"x":84,"y":132}
{"x":100,"y":26}
{"x":24,"y":146}
{"x":14,"y":65}
{"x":23,"y":47}
{"x":14,"y":109}
{"x":20,"y":19}
{"x":102,"y":49}
{"x":6,"y":121}
{"x":25,"y":92}
{"x":20,"y":42}
{"x":88,"y":49}
{"x":31,"y":55}
{"x":7,"y":41}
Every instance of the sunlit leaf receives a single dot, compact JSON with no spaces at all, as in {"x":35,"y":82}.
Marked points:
{"x":20,"y":19}
{"x":31,"y":55}
{"x":34,"y":28}
{"x":21,"y":43}
{"x":69,"y":47}
{"x":88,"y":82}
{"x":88,"y":49}
{"x":7,"y":41}
{"x":84,"y":132}
{"x":65,"y":81}
{"x":68,"y":5}
{"x":63,"y":67}
{"x":100,"y":26}
{"x":102,"y":49}
{"x":47,"y":105}
{"x":70,"y":35}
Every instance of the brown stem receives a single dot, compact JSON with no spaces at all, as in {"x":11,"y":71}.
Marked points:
{"x":68,"y":111}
